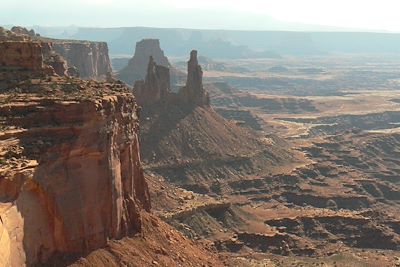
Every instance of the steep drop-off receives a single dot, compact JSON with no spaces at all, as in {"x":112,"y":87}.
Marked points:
{"x":71,"y":179}
{"x":70,"y":172}
{"x":89,"y":58}
{"x":86,"y":59}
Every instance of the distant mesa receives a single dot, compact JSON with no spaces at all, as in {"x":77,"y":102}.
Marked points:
{"x":155,"y":88}
{"x":118,"y":63}
{"x":136,"y":68}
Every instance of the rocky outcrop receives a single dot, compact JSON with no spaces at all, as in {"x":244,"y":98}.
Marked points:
{"x":89,"y":58}
{"x":71,"y":178}
{"x":155,"y":87}
{"x":54,"y":60}
{"x":59,"y":65}
{"x":16,"y":34}
{"x":34,"y":57}
{"x":193,"y":93}
{"x":20,"y":50}
{"x":23,"y":31}
{"x":24,"y":48}
{"x":21,"y":54}
{"x":136,"y":69}
{"x":70,"y":171}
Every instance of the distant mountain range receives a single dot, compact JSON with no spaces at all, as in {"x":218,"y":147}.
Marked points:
{"x":233,"y":43}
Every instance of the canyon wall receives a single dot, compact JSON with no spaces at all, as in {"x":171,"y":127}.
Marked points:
{"x":70,"y":175}
{"x":70,"y":170}
{"x":35,"y":57}
{"x":89,"y":58}
{"x":31,"y":57}
{"x":21,"y":54}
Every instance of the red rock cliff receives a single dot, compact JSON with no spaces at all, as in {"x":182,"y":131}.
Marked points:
{"x":21,"y":50}
{"x":21,"y":54}
{"x":155,"y":87}
{"x":193,"y":93}
{"x":70,"y":171}
{"x":89,"y":58}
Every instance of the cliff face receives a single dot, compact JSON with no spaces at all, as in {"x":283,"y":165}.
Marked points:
{"x":21,"y":54}
{"x":71,"y":178}
{"x":155,"y":87}
{"x":31,"y":57}
{"x":193,"y":93}
{"x":89,"y":58}
{"x":70,"y":172}
{"x":23,"y":50}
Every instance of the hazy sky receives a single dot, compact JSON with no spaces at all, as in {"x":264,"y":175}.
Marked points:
{"x":217,"y":14}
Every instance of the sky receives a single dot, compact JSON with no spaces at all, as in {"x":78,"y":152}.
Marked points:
{"x":369,"y":15}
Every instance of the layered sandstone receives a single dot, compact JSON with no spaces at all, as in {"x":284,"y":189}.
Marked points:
{"x":193,"y":93}
{"x":71,"y":178}
{"x":34,"y":57}
{"x":88,"y":60}
{"x":21,"y":54}
{"x":20,"y":50}
{"x":70,"y":172}
{"x":91,"y":59}
{"x":155,"y":87}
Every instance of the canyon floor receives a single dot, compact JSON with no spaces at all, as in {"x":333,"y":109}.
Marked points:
{"x":336,"y":200}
